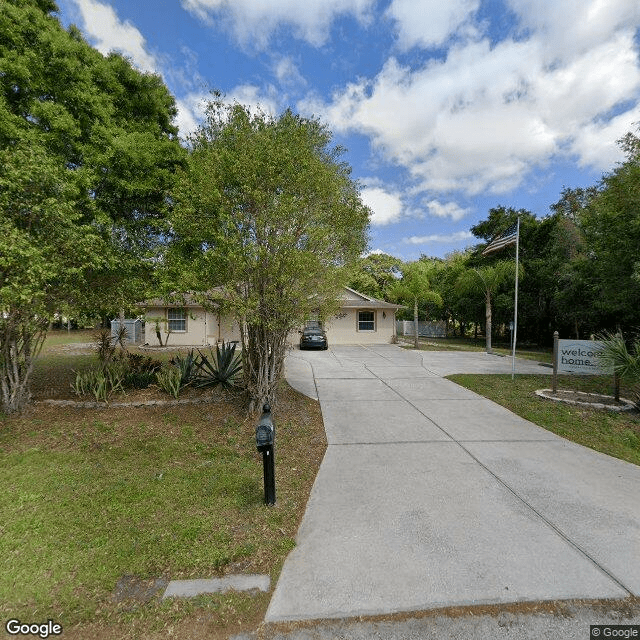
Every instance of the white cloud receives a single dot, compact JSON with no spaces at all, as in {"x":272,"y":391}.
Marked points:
{"x":483,"y":117}
{"x":287,"y":73}
{"x":254,"y":21}
{"x":191,"y":109}
{"x":446,"y":210}
{"x":109,"y":33}
{"x":386,"y":207}
{"x":437,"y":238}
{"x":429,"y":23}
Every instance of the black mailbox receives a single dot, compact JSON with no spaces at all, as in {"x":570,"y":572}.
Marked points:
{"x":265,"y":442}
{"x":265,"y":430}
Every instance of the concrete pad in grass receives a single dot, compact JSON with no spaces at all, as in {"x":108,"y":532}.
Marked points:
{"x":192,"y":588}
{"x":480,"y":419}
{"x":591,"y":497}
{"x":366,"y":421}
{"x":402,"y":527}
{"x":337,"y":390}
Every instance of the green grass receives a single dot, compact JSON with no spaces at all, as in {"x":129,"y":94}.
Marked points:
{"x":90,"y":496}
{"x":616,"y":434}
{"x":140,"y":503}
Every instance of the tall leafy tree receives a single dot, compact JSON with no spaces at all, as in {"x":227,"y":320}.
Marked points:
{"x":611,"y":224}
{"x":88,"y":152}
{"x":266,"y":212}
{"x":375,"y":274}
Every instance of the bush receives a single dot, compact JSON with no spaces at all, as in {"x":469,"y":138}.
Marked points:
{"x":100,"y":383}
{"x":141,"y":371}
{"x":187,"y":366}
{"x":624,"y":362}
{"x":221,"y":368}
{"x":169,"y":380}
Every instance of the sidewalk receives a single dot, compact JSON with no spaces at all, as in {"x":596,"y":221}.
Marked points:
{"x":431,"y":496}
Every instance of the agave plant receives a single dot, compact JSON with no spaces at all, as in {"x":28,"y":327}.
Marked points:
{"x":219,"y":369}
{"x":187,"y":365}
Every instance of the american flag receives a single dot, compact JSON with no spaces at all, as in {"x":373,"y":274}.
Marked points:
{"x":510,"y":236}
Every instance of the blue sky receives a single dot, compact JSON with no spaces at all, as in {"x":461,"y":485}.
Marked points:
{"x":447,"y":107}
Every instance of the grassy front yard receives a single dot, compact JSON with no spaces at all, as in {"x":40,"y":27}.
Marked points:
{"x":617,"y":434}
{"x":101,"y":507}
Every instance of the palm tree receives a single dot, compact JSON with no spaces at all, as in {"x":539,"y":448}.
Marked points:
{"x":625,"y":363}
{"x":485,"y":281}
{"x":415,"y":287}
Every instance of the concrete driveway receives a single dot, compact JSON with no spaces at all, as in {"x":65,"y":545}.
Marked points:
{"x":432,"y":496}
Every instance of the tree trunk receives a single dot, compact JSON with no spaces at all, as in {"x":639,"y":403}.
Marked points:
{"x":415,"y":323}
{"x":20,"y":342}
{"x":488,"y":320}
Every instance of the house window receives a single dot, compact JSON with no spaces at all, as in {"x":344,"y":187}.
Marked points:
{"x":177,"y":319}
{"x":366,"y":321}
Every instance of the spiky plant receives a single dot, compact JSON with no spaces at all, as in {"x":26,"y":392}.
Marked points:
{"x":625,"y":363}
{"x":221,"y":369}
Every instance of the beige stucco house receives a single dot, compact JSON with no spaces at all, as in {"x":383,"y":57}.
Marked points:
{"x":361,"y":320}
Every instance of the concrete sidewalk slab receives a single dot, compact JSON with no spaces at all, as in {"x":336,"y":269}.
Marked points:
{"x":591,"y":497}
{"x":430,"y":388}
{"x":363,"y":421}
{"x":477,"y":419}
{"x":446,"y":363}
{"x":337,"y":390}
{"x":431,"y":496}
{"x":401,"y":527}
{"x":391,"y":371}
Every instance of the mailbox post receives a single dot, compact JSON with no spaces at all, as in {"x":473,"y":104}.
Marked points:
{"x":265,"y":443}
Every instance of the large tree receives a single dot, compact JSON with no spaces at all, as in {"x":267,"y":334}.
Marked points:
{"x":611,"y":224}
{"x":266,"y":213}
{"x":88,"y":152}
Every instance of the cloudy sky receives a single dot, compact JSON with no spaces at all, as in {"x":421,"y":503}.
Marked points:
{"x":447,"y":107}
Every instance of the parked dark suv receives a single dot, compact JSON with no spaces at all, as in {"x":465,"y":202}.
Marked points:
{"x":313,"y":338}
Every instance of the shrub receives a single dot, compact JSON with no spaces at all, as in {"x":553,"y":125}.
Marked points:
{"x":187,"y":365}
{"x":624,"y":363}
{"x":169,"y":380}
{"x":141,"y":371}
{"x":221,"y":368}
{"x":105,"y":346}
{"x":100,"y":383}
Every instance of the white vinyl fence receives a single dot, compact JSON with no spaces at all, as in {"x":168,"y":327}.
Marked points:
{"x":425,"y":329}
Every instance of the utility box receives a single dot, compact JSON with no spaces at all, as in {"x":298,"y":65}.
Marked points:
{"x":133,"y":327}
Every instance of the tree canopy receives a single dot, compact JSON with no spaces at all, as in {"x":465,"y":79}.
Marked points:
{"x":266,"y":212}
{"x":88,"y":153}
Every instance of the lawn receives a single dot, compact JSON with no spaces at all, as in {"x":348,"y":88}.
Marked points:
{"x":102,"y":507}
{"x":617,"y":434}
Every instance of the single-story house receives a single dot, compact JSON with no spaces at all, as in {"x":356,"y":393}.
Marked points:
{"x":361,"y":320}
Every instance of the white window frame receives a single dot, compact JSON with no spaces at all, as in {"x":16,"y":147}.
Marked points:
{"x":359,"y":321}
{"x":182,"y":318}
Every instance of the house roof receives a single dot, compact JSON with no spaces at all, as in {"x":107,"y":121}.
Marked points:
{"x":352,"y":299}
{"x":355,"y":300}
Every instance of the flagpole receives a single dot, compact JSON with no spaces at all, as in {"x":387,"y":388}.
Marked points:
{"x":515,"y":314}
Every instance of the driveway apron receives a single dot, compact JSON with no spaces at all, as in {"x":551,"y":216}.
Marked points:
{"x":431,"y":496}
